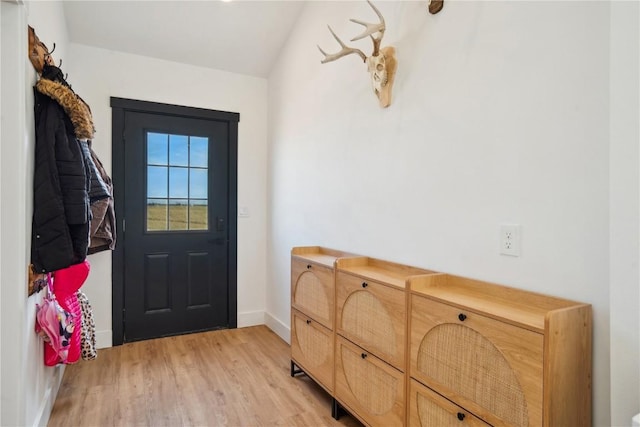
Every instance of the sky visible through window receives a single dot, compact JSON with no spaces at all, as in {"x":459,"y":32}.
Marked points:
{"x":177,"y":167}
{"x":177,"y":182}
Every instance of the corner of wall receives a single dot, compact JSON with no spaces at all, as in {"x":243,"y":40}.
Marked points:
{"x":250,"y":318}
{"x":624,"y":210}
{"x":282,"y":330}
{"x":28,"y":388}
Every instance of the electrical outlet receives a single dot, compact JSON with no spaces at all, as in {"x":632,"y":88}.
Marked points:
{"x":510,"y":239}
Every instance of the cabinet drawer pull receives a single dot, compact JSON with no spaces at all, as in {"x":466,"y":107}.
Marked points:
{"x":363,"y":355}
{"x":460,"y":416}
{"x":462,"y":317}
{"x":365,"y":284}
{"x":308,"y":322}
{"x":308,"y":266}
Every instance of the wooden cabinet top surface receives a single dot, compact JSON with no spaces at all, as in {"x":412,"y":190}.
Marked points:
{"x":380,"y":271}
{"x":318,"y":255}
{"x":522,"y":308}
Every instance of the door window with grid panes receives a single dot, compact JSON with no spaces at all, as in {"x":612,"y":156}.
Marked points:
{"x":177,"y":176}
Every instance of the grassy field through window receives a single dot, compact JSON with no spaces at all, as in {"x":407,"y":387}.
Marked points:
{"x":180,"y":217}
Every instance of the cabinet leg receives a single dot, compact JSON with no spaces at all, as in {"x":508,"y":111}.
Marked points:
{"x":295,"y":370}
{"x":335,"y":409}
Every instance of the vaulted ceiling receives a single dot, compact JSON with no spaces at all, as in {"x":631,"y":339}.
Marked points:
{"x":240,"y":36}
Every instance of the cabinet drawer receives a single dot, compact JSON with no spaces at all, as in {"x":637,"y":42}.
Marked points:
{"x":429,"y":409}
{"x":368,"y":387}
{"x":372,"y":315}
{"x":312,"y":349}
{"x":492,"y":368}
{"x":312,"y":290}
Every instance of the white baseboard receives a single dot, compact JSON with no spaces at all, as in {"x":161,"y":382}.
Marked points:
{"x":104,"y":339}
{"x":250,"y":318}
{"x":282,"y":330}
{"x":42,"y":419}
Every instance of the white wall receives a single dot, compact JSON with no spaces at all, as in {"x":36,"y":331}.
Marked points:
{"x":500,"y":114}
{"x":624,"y":211}
{"x":28,"y":387}
{"x":98,"y":74}
{"x":13,"y":296}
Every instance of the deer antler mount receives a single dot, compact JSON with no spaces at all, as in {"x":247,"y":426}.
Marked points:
{"x":381,"y":64}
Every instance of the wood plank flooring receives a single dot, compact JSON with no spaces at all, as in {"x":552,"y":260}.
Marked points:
{"x":235,"y":377}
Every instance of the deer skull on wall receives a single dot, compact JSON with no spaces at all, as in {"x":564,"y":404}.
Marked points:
{"x":381,"y":64}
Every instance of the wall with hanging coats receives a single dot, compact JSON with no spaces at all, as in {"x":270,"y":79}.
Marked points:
{"x":28,"y":388}
{"x":72,"y":208}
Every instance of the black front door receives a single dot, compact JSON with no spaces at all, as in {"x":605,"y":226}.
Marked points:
{"x":179,"y":220}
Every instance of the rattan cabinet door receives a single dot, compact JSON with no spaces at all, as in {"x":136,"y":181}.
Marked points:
{"x":492,"y":368}
{"x":369,"y":387}
{"x":312,"y":290}
{"x":372,"y":315}
{"x":429,"y":409}
{"x":312,"y":349}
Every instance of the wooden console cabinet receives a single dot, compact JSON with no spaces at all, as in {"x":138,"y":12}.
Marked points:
{"x":507,"y":356}
{"x":397,"y":345}
{"x":371,"y":317}
{"x":313,"y":313}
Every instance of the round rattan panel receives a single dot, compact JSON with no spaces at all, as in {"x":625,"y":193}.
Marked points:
{"x":314,"y":345}
{"x":311,"y":294}
{"x":461,"y":359}
{"x":364,"y":316}
{"x":371,"y":386}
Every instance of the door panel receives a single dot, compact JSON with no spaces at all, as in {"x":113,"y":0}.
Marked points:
{"x":176,"y":265}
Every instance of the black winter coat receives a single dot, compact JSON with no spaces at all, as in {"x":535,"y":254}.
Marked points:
{"x":61,"y":210}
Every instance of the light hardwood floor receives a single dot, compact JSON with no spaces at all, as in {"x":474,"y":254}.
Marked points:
{"x":236,"y":377}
